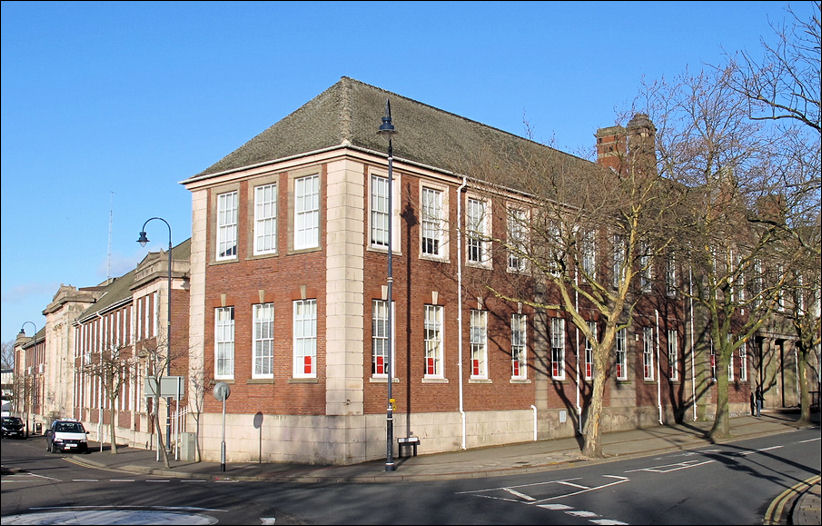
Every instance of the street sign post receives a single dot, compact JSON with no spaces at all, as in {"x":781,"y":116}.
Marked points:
{"x":221,"y":392}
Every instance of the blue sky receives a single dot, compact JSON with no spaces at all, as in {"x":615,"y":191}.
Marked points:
{"x":107,"y":106}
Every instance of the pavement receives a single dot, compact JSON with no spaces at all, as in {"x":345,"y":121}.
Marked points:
{"x":800,"y":505}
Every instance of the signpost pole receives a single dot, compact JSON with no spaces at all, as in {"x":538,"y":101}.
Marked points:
{"x":222,"y":392}
{"x":222,"y":444}
{"x":177,"y":420}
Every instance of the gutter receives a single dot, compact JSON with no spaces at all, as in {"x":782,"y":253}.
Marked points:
{"x":459,"y":304}
{"x":100,"y":425}
{"x":658,"y":377}
{"x":576,"y":335}
{"x":691,"y":301}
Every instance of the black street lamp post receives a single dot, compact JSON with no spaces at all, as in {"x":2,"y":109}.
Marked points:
{"x":143,"y":240}
{"x":387,"y":130}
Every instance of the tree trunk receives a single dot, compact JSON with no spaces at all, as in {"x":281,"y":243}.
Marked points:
{"x":113,"y":426}
{"x":722,"y":424}
{"x":804,"y":393}
{"x":591,"y":429}
{"x":160,"y":446}
{"x":197,"y":437}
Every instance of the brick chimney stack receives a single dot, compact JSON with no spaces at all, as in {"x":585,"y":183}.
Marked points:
{"x":610,"y":146}
{"x":642,"y":144}
{"x":631,"y":148}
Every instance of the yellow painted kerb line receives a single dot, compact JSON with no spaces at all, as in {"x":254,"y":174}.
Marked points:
{"x":774,"y":513}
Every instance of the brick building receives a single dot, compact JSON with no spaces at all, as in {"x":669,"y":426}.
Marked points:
{"x":29,"y":378}
{"x":60,"y":372}
{"x":281,"y":293}
{"x":128,"y":323}
{"x":288,"y":295}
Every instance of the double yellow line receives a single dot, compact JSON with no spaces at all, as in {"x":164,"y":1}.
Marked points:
{"x":777,"y":507}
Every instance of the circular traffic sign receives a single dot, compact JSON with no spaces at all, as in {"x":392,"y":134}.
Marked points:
{"x":221,"y":391}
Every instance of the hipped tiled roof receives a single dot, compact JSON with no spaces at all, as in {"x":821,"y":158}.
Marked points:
{"x":350,"y":112}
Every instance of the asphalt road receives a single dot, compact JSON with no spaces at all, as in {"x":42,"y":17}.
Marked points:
{"x":723,"y":484}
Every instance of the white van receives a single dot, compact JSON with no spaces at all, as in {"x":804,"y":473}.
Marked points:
{"x":66,"y":435}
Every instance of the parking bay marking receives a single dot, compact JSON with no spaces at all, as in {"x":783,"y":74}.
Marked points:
{"x":23,"y":477}
{"x":669,"y":468}
{"x":522,"y":494}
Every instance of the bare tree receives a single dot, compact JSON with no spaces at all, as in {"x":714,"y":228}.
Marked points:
{"x":22,"y":397}
{"x":157,"y":358}
{"x":794,"y":210}
{"x":199,"y":386}
{"x":804,"y":316}
{"x":785,"y":83}
{"x":111,"y":368}
{"x":568,"y":212}
{"x":784,"y":87}
{"x":708,"y":144}
{"x":7,"y":355}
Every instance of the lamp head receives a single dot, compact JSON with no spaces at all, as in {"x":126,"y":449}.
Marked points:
{"x":387,"y":128}
{"x":143,"y":239}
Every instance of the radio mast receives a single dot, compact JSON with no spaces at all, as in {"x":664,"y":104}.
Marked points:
{"x":110,"y":221}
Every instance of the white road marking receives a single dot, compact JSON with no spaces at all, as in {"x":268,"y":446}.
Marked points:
{"x":157,"y":480}
{"x":127,"y":507}
{"x":85,"y":480}
{"x":770,"y":448}
{"x":554,"y":507}
{"x":121,"y":480}
{"x":809,"y":440}
{"x":108,"y":517}
{"x":520,"y":495}
{"x":486,"y":493}
{"x":267,"y":520}
{"x":563,"y":482}
{"x":44,"y":477}
{"x":669,"y":468}
{"x":584,"y":514}
{"x":609,"y":522}
{"x":21,"y":477}
{"x":619,"y":480}
{"x":505,"y":488}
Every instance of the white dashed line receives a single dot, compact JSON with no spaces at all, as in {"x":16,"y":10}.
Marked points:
{"x":520,"y":495}
{"x":554,"y":507}
{"x":566,"y":483}
{"x":44,"y":477}
{"x":584,"y":514}
{"x":609,"y":522}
